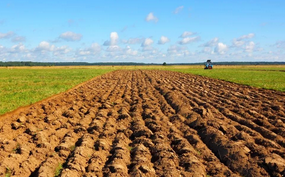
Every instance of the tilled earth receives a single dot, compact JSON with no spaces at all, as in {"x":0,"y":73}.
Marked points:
{"x":148,"y":123}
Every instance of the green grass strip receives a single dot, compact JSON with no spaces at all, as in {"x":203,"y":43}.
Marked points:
{"x":22,"y":86}
{"x":267,"y":78}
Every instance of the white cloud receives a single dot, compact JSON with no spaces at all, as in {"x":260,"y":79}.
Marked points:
{"x":163,"y":40}
{"x":175,"y":49}
{"x":114,"y":51}
{"x":84,"y":52}
{"x":188,"y":40}
{"x":70,"y":36}
{"x":147,"y":42}
{"x":113,"y":39}
{"x":113,"y":48}
{"x":186,"y":33}
{"x":133,"y":41}
{"x":7,"y":35}
{"x":148,"y":49}
{"x":221,"y":48}
{"x":94,"y":49}
{"x":131,"y":52}
{"x":250,"y":47}
{"x":151,"y":17}
{"x":19,"y":39}
{"x":211,"y":43}
{"x":44,"y":46}
{"x":178,"y":9}
{"x":247,"y":36}
{"x":239,"y":42}
{"x":59,"y":51}
{"x":18,"y":48}
{"x":208,"y":50}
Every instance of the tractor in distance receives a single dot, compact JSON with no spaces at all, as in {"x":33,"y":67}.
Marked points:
{"x":208,"y":65}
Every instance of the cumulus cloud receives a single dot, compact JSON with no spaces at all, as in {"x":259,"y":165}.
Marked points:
{"x":247,"y":36}
{"x":113,"y":39}
{"x":84,"y":52}
{"x":163,"y":40}
{"x":146,"y":46}
{"x":59,"y":51}
{"x":113,"y":48}
{"x":188,"y":40}
{"x":221,"y":48}
{"x":250,"y":47}
{"x":18,"y":48}
{"x":186,"y":33}
{"x":211,"y":43}
{"x":70,"y":36}
{"x":175,"y":49}
{"x":130,"y":51}
{"x":44,"y":45}
{"x":7,"y":35}
{"x":239,"y":42}
{"x":147,"y":42}
{"x":133,"y":41}
{"x":19,"y":39}
{"x":151,"y":17}
{"x":94,"y":49}
{"x":208,"y":50}
{"x":178,"y":9}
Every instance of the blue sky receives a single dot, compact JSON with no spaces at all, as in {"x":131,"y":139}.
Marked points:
{"x":142,"y":31}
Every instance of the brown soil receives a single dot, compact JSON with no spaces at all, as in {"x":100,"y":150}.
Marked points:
{"x":148,"y":123}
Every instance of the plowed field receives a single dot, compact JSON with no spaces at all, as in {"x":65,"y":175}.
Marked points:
{"x":148,"y":123}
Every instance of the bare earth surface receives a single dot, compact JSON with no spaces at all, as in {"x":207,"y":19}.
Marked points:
{"x":148,"y":123}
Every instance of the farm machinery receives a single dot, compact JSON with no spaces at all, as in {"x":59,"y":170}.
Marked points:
{"x":208,"y":65}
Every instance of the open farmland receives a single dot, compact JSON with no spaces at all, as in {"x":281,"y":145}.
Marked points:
{"x":148,"y":123}
{"x":261,"y":76}
{"x":22,"y":86}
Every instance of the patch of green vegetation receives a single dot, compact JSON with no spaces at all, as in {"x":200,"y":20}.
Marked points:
{"x":24,"y":86}
{"x":58,"y":170}
{"x":261,"y":77}
{"x":130,"y":148}
{"x":198,"y":151}
{"x":8,"y":172}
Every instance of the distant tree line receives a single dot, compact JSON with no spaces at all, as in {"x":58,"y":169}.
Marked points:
{"x":30,"y":63}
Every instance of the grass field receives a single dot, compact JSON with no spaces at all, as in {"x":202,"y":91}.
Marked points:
{"x":21,"y":86}
{"x":268,"y":77}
